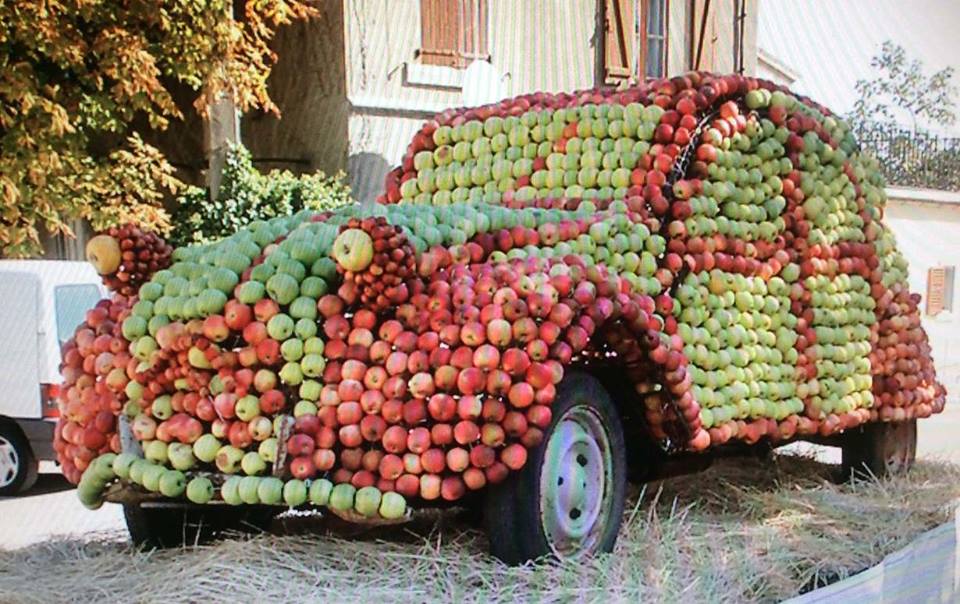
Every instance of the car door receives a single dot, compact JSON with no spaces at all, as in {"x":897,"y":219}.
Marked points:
{"x":19,"y":345}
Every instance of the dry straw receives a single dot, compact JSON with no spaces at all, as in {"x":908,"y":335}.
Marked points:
{"x":747,"y":530}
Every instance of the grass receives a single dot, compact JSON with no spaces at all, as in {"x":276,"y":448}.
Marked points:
{"x":747,"y":530}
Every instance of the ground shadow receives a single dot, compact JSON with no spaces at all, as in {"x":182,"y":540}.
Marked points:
{"x":46,"y":484}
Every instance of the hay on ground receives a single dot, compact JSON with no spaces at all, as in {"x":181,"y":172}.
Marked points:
{"x":747,"y":530}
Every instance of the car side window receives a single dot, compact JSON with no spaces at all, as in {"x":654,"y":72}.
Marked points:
{"x":71,"y":304}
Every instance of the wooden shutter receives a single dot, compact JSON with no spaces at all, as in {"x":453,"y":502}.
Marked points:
{"x":704,"y":36}
{"x":939,"y":289}
{"x":453,"y":32}
{"x":619,"y":32}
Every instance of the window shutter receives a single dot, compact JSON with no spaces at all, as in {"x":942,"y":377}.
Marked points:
{"x":619,"y":31}
{"x":453,"y":32}
{"x":440,"y":32}
{"x":936,"y":290}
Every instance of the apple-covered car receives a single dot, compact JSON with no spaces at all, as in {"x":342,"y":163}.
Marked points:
{"x":554,"y":293}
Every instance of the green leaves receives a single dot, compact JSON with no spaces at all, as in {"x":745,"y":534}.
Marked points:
{"x":75,"y":77}
{"x":246,"y":195}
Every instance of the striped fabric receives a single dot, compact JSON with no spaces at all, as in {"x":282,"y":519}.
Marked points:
{"x":926,"y":571}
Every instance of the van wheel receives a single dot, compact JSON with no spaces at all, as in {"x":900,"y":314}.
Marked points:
{"x":18,"y":466}
{"x":567,"y":501}
{"x":880,"y":448}
{"x":164,"y":526}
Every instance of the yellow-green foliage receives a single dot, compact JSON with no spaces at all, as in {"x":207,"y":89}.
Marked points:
{"x":81,"y":70}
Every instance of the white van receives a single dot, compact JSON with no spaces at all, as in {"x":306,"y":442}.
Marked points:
{"x":41,"y":304}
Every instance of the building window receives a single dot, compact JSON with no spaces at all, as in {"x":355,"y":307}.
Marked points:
{"x":453,"y":32}
{"x":939,"y":290}
{"x":653,"y":42}
{"x":635,"y":24}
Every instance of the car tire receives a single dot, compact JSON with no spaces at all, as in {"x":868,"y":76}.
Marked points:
{"x":567,"y":501}
{"x":18,"y":465}
{"x":165,"y":525}
{"x":879,"y":449}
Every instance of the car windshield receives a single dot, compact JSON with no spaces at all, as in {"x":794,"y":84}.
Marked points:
{"x":72,"y":302}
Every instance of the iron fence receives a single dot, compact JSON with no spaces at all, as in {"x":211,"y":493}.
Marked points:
{"x":913,"y":158}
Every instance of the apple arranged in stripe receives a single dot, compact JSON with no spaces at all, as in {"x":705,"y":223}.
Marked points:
{"x":716,"y":238}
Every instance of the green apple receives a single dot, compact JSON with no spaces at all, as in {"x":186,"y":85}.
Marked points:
{"x":206,"y":447}
{"x":312,"y":365}
{"x":90,"y":494}
{"x":310,"y":390}
{"x":102,"y":467}
{"x":247,"y":408}
{"x":248,"y":488}
{"x":341,"y":497}
{"x":228,"y":459}
{"x":283,"y":288}
{"x":270,"y":491}
{"x":305,"y":329}
{"x":320,"y":491}
{"x":252,"y":464}
{"x":230,"y":491}
{"x":172,"y":483}
{"x":292,"y":349}
{"x":304,"y":408}
{"x":162,"y":407}
{"x":122,"y":465}
{"x":151,"y":477}
{"x":200,"y":490}
{"x":313,"y":345}
{"x":291,"y":373}
{"x":136,"y":470}
{"x":294,"y":492}
{"x":181,"y":456}
{"x":392,"y":506}
{"x":156,"y":451}
{"x":251,"y":292}
{"x":280,"y":327}
{"x":268,"y":450}
{"x":367,"y":501}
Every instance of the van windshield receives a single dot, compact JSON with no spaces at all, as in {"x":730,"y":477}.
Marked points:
{"x":72,"y":303}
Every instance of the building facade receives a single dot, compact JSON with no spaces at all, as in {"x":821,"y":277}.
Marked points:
{"x":357,"y":82}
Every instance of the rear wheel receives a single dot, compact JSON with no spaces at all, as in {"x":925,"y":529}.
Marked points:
{"x":567,"y":501}
{"x":880,"y":448}
{"x":18,"y":466}
{"x":163,"y":525}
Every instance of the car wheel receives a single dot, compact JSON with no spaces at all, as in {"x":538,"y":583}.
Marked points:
{"x":165,"y":525}
{"x":567,"y":501}
{"x":880,"y":448}
{"x":18,"y":466}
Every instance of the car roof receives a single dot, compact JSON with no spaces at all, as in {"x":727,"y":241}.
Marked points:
{"x":52,"y":272}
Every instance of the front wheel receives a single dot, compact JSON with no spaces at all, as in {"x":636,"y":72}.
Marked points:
{"x":18,"y":466}
{"x":568,"y":500}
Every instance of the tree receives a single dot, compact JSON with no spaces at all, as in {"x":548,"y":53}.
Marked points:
{"x":74,"y":74}
{"x":903,"y":87}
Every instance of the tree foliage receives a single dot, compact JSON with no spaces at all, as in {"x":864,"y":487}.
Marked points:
{"x":75,"y":73}
{"x":246,"y":195}
{"x":902,"y":86}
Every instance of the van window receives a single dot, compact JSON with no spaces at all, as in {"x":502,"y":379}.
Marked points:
{"x":72,"y":303}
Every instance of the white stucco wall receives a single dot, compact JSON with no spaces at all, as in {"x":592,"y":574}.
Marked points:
{"x":928,"y":234}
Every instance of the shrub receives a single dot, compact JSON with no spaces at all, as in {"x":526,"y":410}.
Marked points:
{"x":246,"y":195}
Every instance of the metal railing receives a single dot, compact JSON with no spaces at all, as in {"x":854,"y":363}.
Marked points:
{"x":913,"y":158}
